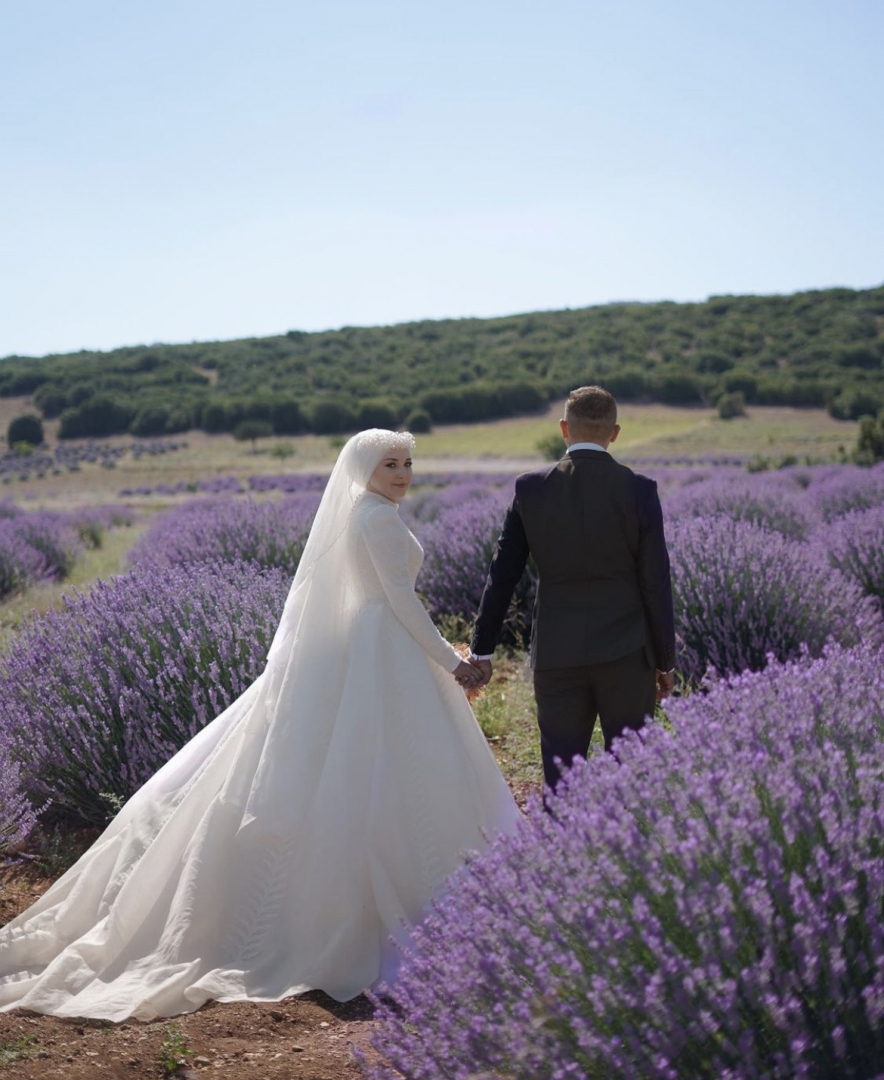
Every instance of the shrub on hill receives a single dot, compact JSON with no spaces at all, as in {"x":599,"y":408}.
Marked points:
{"x":332,"y":418}
{"x":97,"y":416}
{"x":731,"y":405}
{"x":27,"y":428}
{"x":252,"y":430}
{"x":418,"y":422}
{"x":870,"y":441}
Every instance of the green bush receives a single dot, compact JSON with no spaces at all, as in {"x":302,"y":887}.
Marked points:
{"x":678,"y":388}
{"x":376,"y":414}
{"x":150,"y":420}
{"x":418,"y":422}
{"x":731,"y":405}
{"x":855,"y":403}
{"x":214,"y":417}
{"x":27,"y":428}
{"x":100,"y":415}
{"x":50,"y":401}
{"x":870,"y":442}
{"x":252,"y":430}
{"x":552,"y":446}
{"x":287,"y":417}
{"x":332,"y":417}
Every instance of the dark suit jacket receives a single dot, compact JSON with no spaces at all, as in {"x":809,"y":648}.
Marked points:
{"x":595,"y":530}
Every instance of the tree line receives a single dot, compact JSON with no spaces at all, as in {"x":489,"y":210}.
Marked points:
{"x":823,"y":348}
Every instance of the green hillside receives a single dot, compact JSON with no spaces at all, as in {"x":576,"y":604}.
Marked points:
{"x":822,"y":348}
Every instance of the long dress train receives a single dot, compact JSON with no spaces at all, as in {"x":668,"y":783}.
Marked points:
{"x":284,"y":845}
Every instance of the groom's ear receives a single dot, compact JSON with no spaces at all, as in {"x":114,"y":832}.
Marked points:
{"x":614,"y":433}
{"x":563,"y":427}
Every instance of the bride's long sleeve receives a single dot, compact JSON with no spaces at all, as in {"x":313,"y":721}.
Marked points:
{"x":387,"y":538}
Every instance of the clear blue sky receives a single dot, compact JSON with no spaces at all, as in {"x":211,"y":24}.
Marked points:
{"x":180,"y":170}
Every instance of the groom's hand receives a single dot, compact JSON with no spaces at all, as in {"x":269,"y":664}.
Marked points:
{"x":485,"y":671}
{"x":466,"y":675}
{"x":665,"y":684}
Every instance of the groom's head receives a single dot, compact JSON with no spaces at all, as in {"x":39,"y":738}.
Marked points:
{"x":590,"y":416}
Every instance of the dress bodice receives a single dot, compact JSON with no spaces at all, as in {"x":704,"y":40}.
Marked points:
{"x":386,"y":558}
{"x":402,"y":547}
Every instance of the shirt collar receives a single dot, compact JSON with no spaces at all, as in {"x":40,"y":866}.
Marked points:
{"x":586,"y":446}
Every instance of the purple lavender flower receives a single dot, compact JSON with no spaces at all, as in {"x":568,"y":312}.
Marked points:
{"x":743,"y":593}
{"x":95,"y":697}
{"x":838,"y":489}
{"x":229,"y":530}
{"x":708,"y":907}
{"x":854,"y":543}
{"x":17,"y":814}
{"x":91,"y":523}
{"x":458,"y":545}
{"x":773,"y":501}
{"x":21,"y":564}
{"x":52,"y":537}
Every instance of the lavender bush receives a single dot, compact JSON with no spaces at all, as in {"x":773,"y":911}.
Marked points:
{"x":17,"y":815}
{"x":95,"y":697}
{"x":709,"y":907}
{"x":92,"y":522}
{"x":36,"y":545}
{"x":21,"y":564}
{"x":229,"y":530}
{"x":458,"y":545}
{"x":52,"y":535}
{"x":855,"y":546}
{"x":775,"y":502}
{"x":743,"y":593}
{"x":838,"y":489}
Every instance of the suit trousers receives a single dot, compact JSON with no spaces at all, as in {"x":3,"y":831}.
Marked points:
{"x":621,"y":693}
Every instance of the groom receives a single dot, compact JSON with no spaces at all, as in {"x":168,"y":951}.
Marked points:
{"x":602,"y":639}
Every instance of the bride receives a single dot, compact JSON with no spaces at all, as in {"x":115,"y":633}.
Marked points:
{"x":289,"y":844}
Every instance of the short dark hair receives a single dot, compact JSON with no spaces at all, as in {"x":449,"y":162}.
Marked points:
{"x":591,"y":410}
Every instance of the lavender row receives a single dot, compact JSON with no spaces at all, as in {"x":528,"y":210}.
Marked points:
{"x":43,"y":545}
{"x":299,"y":483}
{"x":96,"y":696}
{"x":710,"y":906}
{"x":267,"y":534}
{"x":762,"y":565}
{"x":71,"y":457}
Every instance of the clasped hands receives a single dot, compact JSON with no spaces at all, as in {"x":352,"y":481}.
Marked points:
{"x":473,"y":674}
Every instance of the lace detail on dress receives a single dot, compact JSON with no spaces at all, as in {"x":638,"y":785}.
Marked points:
{"x":257,"y":915}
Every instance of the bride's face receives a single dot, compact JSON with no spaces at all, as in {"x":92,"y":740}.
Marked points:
{"x":392,"y":477}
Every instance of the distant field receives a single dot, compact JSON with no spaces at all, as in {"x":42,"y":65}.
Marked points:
{"x":648,"y":431}
{"x":654,"y":431}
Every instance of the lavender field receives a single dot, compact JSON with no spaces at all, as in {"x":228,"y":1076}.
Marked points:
{"x":710,"y":906}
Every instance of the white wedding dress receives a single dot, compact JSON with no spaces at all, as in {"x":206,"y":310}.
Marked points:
{"x":283,"y":846}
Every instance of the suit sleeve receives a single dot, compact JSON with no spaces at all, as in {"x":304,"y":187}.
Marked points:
{"x":655,"y":580}
{"x":387,"y":540}
{"x":504,"y":574}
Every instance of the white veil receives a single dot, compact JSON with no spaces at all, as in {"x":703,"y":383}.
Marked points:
{"x":320,"y":583}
